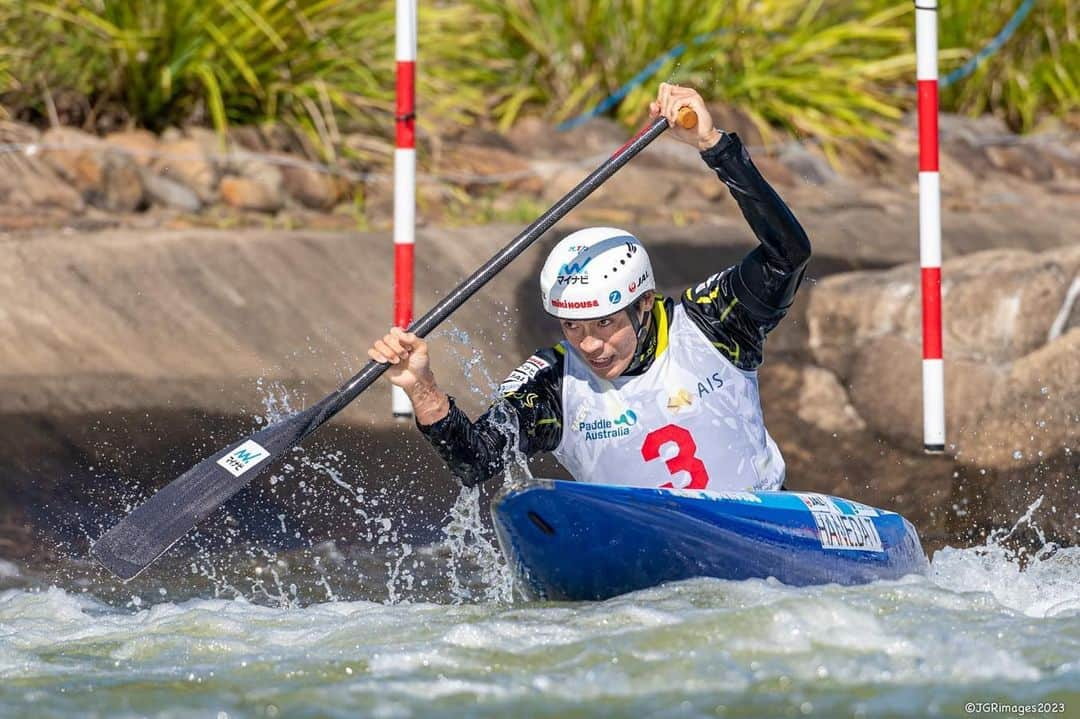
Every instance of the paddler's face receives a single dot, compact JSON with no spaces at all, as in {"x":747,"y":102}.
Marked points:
{"x":606,"y":344}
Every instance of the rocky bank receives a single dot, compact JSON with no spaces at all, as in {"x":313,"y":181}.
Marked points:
{"x":160,"y":295}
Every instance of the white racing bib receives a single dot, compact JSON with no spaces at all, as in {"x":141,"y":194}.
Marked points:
{"x":692,"y":421}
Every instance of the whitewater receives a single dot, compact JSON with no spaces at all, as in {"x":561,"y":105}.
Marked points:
{"x":395,"y":626}
{"x":987,"y":626}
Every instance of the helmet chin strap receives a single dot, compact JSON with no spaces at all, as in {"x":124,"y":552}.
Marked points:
{"x":641,"y":331}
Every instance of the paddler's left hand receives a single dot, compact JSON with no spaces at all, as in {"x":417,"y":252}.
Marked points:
{"x":669,"y":99}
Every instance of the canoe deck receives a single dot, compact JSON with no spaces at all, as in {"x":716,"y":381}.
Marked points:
{"x":578,"y":541}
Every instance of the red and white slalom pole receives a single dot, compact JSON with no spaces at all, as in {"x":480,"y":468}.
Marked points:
{"x":404,"y":180}
{"x":930,"y":225}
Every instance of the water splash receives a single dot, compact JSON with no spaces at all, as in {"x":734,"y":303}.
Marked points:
{"x":1044,"y":582}
{"x":477,"y":569}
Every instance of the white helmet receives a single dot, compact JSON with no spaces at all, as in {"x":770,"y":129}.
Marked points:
{"x":593,"y":273}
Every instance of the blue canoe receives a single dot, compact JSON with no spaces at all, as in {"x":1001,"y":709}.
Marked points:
{"x":578,"y":541}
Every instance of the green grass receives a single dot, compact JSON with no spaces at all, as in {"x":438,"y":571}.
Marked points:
{"x":832,"y":69}
{"x":1035,"y":74}
{"x":316,"y":65}
{"x":813,"y":68}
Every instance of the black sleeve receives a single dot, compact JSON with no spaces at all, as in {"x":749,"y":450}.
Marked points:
{"x":738,"y":307}
{"x":530,"y":398}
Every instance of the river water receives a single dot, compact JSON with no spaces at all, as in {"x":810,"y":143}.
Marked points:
{"x":449,"y":638}
{"x":427,"y":624}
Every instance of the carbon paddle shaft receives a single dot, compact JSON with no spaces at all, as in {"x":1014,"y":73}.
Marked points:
{"x":159,"y":522}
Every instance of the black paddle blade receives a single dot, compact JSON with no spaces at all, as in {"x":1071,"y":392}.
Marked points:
{"x":155,"y":525}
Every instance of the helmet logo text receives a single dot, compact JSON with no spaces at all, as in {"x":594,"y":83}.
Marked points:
{"x":573,"y":268}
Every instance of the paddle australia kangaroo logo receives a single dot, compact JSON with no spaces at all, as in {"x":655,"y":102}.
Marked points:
{"x":607,"y":428}
{"x":243,"y":457}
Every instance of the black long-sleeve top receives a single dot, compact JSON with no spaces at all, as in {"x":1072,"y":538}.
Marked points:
{"x":735,"y":309}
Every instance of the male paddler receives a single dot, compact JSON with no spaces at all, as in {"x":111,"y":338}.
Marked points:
{"x":643,"y":390}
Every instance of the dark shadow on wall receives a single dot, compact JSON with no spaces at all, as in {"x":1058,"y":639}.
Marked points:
{"x":67,"y":479}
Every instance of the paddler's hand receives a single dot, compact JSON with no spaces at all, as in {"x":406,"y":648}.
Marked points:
{"x":669,"y":99}
{"x":410,"y":369}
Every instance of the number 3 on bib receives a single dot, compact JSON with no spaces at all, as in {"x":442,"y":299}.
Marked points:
{"x":685,"y":461}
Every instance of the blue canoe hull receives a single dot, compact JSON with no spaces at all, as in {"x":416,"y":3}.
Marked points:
{"x":577,"y":541}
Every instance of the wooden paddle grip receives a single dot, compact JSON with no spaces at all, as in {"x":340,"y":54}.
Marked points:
{"x":686,"y":118}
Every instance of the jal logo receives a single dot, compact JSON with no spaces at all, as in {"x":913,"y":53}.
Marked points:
{"x":614,"y":297}
{"x":243,"y":458}
{"x":574,"y":268}
{"x":638,"y":282}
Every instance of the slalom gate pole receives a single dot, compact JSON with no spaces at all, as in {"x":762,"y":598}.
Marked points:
{"x":404,"y":181}
{"x":930,"y":225}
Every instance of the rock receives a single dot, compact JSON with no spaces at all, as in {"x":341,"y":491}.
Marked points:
{"x":773,"y":170}
{"x":142,"y":145}
{"x":533,"y":136}
{"x":169,"y":193}
{"x":17,"y":133}
{"x":630,"y":186}
{"x":258,"y":187}
{"x":77,"y":156}
{"x":848,"y":310}
{"x":477,"y":167}
{"x":313,"y":188}
{"x":998,"y":306}
{"x":807,"y":163}
{"x":1064,"y":161}
{"x":185,"y":161}
{"x":123,"y":190}
{"x":824,"y":403}
{"x":886,"y":391}
{"x":215,"y":146}
{"x":106,"y":176}
{"x":1036,"y":413}
{"x":731,"y":118}
{"x":974,"y":130}
{"x":28,"y":183}
{"x":1020,"y":161}
{"x":248,"y":194}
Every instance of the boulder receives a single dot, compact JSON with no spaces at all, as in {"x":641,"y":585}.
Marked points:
{"x":533,"y":136}
{"x":849,"y":310}
{"x":886,"y":391}
{"x":631,"y":186}
{"x":1035,"y":414}
{"x":18,"y":133}
{"x":168,"y":193}
{"x":106,"y":176}
{"x":143,"y":145}
{"x":807,"y":163}
{"x":823,"y":402}
{"x":1020,"y":161}
{"x":477,"y":167}
{"x":731,"y":118}
{"x":998,"y":306}
{"x":250,"y":194}
{"x":311,"y":187}
{"x":28,"y":183}
{"x":185,"y":161}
